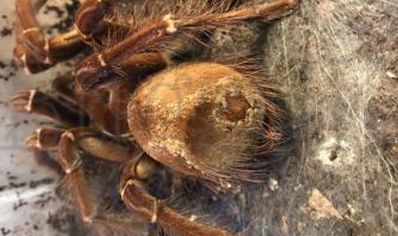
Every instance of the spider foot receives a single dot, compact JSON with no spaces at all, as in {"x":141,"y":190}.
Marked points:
{"x":151,"y":210}
{"x":34,"y":101}
{"x":26,"y":61}
{"x":44,"y":139}
{"x":23,"y":100}
{"x":33,"y":140}
{"x":33,"y":52}
{"x":131,"y":193}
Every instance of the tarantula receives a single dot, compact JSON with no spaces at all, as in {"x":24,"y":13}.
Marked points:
{"x":200,"y":119}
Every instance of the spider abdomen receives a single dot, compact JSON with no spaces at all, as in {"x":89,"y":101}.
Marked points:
{"x":199,"y":119}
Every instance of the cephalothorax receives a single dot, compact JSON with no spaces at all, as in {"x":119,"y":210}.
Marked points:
{"x":201,"y":119}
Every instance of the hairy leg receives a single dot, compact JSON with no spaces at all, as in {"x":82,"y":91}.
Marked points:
{"x":95,"y":71}
{"x":33,"y":52}
{"x":34,"y":101}
{"x":88,"y":15}
{"x":129,"y":57}
{"x":65,"y":87}
{"x":150,"y":209}
{"x":44,"y":138}
{"x":105,"y":108}
{"x":70,"y":157}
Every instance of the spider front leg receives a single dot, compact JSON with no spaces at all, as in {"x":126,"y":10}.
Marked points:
{"x":44,"y":139}
{"x":95,"y":71}
{"x":70,"y":147}
{"x":35,"y":101}
{"x":106,"y":108}
{"x":129,"y":57}
{"x":33,"y":52}
{"x":88,"y":15}
{"x":102,"y":108}
{"x":64,"y":86}
{"x":150,"y":209}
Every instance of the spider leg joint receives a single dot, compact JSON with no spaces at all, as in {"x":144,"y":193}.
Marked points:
{"x":171,"y":23}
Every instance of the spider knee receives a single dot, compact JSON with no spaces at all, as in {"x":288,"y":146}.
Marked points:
{"x":88,"y":219}
{"x":68,"y":135}
{"x":72,"y":162}
{"x":101,"y":60}
{"x":85,"y":37}
{"x":28,"y":30}
{"x":128,"y":184}
{"x":171,"y":26}
{"x":33,"y":140}
{"x":150,"y":212}
{"x":29,"y":102}
{"x":154,"y":217}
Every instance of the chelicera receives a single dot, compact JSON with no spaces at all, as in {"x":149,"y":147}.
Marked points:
{"x":200,"y":119}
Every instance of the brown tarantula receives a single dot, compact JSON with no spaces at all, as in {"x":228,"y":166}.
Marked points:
{"x":201,"y":119}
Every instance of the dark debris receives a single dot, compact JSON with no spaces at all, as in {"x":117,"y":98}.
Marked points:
{"x":5,"y":231}
{"x":5,"y":32}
